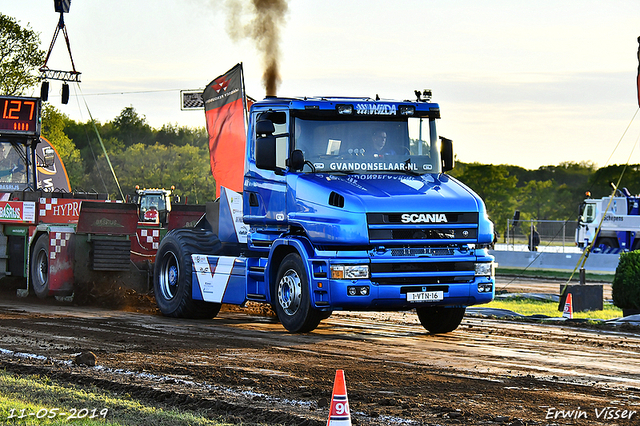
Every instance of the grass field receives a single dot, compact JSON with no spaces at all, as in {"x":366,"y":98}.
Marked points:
{"x":38,"y":400}
{"x":561,"y":275}
{"x":537,"y":307}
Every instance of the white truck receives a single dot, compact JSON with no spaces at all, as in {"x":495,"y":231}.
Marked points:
{"x":620,"y":218}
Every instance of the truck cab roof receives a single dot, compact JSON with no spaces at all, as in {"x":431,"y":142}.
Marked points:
{"x":353,"y":105}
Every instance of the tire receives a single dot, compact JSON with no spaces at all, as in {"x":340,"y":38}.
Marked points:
{"x":292,"y":298}
{"x":607,"y":243}
{"x":437,"y":320}
{"x":39,"y":267}
{"x":172,"y":273}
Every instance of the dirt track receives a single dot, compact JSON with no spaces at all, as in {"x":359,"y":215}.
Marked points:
{"x":249,"y":369}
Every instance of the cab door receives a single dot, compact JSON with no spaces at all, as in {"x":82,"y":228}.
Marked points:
{"x":266,"y":188}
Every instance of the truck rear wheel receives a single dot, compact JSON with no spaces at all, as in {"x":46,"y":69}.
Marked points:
{"x":293,"y":301}
{"x":607,"y":243}
{"x":172,"y":274}
{"x":39,"y":267}
{"x":438,"y":320}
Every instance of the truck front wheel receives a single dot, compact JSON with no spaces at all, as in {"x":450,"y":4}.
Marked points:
{"x":438,"y":320}
{"x":39,"y":267}
{"x":293,"y":301}
{"x":172,"y":275}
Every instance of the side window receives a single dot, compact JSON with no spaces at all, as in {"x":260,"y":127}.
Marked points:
{"x":280,"y":122}
{"x":281,"y":125}
{"x":589,"y":213}
{"x":282,"y":151}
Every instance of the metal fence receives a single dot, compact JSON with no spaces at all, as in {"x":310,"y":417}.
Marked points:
{"x":552,"y":235}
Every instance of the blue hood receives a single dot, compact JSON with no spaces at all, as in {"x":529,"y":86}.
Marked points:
{"x":328,"y":205}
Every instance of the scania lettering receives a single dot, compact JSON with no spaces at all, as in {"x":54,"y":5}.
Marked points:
{"x":324,"y":225}
{"x":424,"y":218}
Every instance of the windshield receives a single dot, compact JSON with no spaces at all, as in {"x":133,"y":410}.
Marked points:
{"x":152,"y":201}
{"x":588,"y":213}
{"x":409,"y":144}
{"x":12,"y":164}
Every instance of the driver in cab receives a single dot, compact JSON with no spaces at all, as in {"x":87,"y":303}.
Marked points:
{"x":379,"y":144}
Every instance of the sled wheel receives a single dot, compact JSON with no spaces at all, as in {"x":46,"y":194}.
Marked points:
{"x":172,"y":275}
{"x":39,"y":267}
{"x":293,"y":302}
{"x":438,"y":320}
{"x":607,"y":243}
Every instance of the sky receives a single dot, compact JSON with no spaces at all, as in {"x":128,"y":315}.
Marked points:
{"x":523,"y":83}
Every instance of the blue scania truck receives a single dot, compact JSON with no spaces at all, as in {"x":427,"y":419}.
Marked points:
{"x":346,"y":206}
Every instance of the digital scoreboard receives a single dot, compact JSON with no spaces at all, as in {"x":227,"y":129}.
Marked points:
{"x":19,"y":116}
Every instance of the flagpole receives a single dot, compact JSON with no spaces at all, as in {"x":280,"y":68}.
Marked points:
{"x":245,"y":113}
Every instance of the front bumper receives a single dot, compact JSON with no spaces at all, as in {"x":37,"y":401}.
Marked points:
{"x":453,"y":279}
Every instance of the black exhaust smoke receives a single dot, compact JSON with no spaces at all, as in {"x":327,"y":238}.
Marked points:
{"x":267,"y":18}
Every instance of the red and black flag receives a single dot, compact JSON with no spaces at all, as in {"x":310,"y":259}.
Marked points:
{"x":224,"y":108}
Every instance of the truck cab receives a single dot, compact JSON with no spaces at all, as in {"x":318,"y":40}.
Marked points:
{"x":346,"y":206}
{"x":154,"y":204}
{"x":609,"y":223}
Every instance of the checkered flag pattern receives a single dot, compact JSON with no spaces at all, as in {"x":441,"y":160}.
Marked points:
{"x":58,"y":241}
{"x":191,"y":100}
{"x":149,"y":236}
{"x":46,"y":205}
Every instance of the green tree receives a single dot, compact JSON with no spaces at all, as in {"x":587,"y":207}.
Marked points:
{"x":599,"y":182}
{"x":53,"y":129}
{"x":172,"y":134}
{"x":536,"y":201}
{"x":496,"y":187}
{"x":158,"y":166}
{"x":20,"y":56}
{"x":131,"y":128}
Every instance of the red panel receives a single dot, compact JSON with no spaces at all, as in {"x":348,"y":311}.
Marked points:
{"x":61,"y":251}
{"x":58,"y":210}
{"x":108,"y":218}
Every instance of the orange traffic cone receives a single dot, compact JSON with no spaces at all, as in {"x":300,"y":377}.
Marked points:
{"x":339,"y":414}
{"x":568,"y":307}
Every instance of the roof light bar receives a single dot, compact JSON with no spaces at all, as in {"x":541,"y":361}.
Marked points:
{"x":344,"y":109}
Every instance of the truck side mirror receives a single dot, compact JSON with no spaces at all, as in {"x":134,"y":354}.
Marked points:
{"x":446,"y":153}
{"x":296,"y":161}
{"x":266,"y":152}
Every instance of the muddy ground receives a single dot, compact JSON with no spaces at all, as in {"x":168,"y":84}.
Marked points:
{"x":245,"y":367}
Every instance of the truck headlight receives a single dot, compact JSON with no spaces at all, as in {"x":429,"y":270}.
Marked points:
{"x":485,"y":268}
{"x":349,"y":272}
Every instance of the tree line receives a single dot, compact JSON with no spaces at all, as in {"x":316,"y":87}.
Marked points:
{"x":139,"y":154}
{"x":546,"y":193}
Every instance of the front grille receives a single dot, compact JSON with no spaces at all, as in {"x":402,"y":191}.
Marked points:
{"x":422,"y":271}
{"x":421,"y":228}
{"x":396,"y":218}
{"x":421,"y":251}
{"x":401,"y":280}
{"x":413,"y":267}
{"x":423,"y":234}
